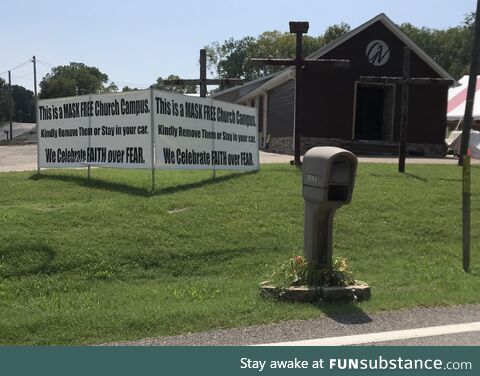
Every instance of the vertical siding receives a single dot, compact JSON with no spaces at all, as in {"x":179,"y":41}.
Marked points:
{"x":281,"y":110}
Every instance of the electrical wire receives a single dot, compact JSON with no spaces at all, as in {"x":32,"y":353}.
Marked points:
{"x":42,"y":62}
{"x":130,"y":83}
{"x":25,"y":75}
{"x":16,"y":67}
{"x":50,"y":66}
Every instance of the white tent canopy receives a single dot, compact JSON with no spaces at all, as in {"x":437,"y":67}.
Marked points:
{"x":457,"y":97}
{"x":455,"y":139}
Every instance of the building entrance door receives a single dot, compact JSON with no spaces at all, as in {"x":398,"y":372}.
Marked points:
{"x":374,"y":113}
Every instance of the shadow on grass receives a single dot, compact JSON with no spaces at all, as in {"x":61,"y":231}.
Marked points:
{"x":347,"y":313}
{"x":25,"y":260}
{"x":399,"y":175}
{"x":132,"y":190}
{"x":201,"y":183}
{"x":189,"y":263}
{"x":413,"y":176}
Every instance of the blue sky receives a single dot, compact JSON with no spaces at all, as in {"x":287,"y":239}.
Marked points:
{"x":137,"y":41}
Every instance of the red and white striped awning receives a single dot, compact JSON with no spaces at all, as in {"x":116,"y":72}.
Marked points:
{"x":457,"y":97}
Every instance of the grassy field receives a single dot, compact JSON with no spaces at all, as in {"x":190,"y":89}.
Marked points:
{"x":95,"y":261}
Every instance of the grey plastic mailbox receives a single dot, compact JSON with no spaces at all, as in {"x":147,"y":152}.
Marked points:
{"x":328,"y":180}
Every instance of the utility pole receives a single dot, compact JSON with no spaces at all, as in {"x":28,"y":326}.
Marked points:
{"x":464,"y":155}
{"x":10,"y":103}
{"x":472,"y":81}
{"x":34,"y":61}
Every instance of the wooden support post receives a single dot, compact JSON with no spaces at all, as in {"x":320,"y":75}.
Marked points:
{"x":203,"y":81}
{"x":466,"y":213}
{"x":203,"y":73}
{"x":152,"y":140}
{"x":467,"y":122}
{"x":10,"y":104}
{"x":472,"y":81}
{"x":89,"y":168}
{"x":402,"y":153}
{"x":34,"y":61}
{"x":298,"y":100}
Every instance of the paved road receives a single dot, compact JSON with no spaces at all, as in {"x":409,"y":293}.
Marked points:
{"x":18,"y":129}
{"x":24,"y":158}
{"x":18,"y":158}
{"x":353,"y":324}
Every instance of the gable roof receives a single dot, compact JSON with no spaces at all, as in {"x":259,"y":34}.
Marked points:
{"x":253,"y":84}
{"x":391,"y":26}
{"x":253,"y":87}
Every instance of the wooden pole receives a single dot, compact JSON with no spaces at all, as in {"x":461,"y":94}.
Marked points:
{"x":203,"y":91}
{"x":472,"y":82}
{"x":35,"y":100}
{"x":466,"y":213}
{"x":89,"y":168}
{"x":402,"y":153}
{"x":464,"y":157}
{"x":298,"y":99}
{"x":152,"y":139}
{"x":10,"y":104}
{"x":203,"y":73}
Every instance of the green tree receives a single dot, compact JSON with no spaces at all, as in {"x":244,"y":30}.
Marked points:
{"x":74,"y":79}
{"x":451,"y":48}
{"x":128,"y":88}
{"x":22,"y":100}
{"x":334,"y":32}
{"x":111,"y":88}
{"x":3,"y":101}
{"x":23,"y":104}
{"x":182,"y":89}
{"x":231,"y":59}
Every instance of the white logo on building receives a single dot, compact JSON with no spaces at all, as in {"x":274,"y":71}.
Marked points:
{"x":377,"y":52}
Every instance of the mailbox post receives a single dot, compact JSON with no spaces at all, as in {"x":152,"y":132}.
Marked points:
{"x":328,"y":180}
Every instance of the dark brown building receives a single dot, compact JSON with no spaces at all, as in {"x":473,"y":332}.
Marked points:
{"x":338,"y":110}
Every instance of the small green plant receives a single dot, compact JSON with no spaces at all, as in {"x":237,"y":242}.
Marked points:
{"x":298,"y":271}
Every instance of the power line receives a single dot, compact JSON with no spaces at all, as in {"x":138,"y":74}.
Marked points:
{"x":24,"y":78}
{"x":25,"y":75}
{"x":44,"y":63}
{"x":130,"y":83}
{"x":18,"y":66}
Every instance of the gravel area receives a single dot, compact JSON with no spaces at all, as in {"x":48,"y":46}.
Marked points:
{"x":341,"y":325}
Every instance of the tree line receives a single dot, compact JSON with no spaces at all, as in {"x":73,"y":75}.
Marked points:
{"x":450,"y":47}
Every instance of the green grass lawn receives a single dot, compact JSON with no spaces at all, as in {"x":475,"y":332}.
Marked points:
{"x":85,"y":262}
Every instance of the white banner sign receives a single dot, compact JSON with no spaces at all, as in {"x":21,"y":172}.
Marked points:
{"x":118,"y":130}
{"x":200,"y":133}
{"x":111,"y":130}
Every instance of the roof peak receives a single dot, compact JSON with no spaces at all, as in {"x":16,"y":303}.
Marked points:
{"x":390,"y":25}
